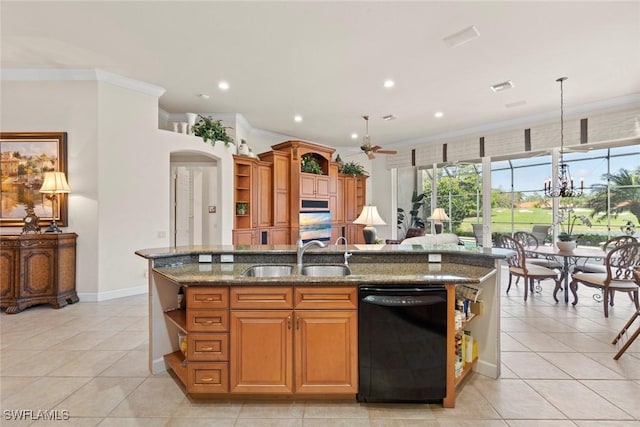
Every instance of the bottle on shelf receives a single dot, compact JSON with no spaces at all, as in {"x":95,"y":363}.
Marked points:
{"x":180,"y":298}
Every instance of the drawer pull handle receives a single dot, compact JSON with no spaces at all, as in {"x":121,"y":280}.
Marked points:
{"x":289,"y":322}
{"x":207,"y":348}
{"x":206,"y":380}
{"x":208,"y":322}
{"x":208,"y":299}
{"x":298,"y":322}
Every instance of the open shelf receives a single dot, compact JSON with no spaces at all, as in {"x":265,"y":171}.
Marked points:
{"x":468,"y":368}
{"x":175,"y":362}
{"x":177,"y":317}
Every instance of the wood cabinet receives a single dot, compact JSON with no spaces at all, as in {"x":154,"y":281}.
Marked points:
{"x":37,"y":269}
{"x":314,"y":335}
{"x":314,"y":186}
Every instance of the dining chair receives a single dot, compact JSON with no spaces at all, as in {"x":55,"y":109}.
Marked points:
{"x":477,"y":233}
{"x":619,"y":264}
{"x":625,"y":329}
{"x":529,"y":240}
{"x":541,"y":232}
{"x":530,"y":272}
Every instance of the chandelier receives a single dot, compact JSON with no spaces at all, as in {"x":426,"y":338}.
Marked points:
{"x":563,"y":186}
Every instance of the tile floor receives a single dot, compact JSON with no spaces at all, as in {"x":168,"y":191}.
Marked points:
{"x":90,"y":359}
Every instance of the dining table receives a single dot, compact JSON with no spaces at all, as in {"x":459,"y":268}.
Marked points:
{"x":569,"y":259}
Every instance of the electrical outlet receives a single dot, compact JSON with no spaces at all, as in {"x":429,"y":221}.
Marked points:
{"x":226,"y":258}
{"x":212,"y":209}
{"x":435,"y":257}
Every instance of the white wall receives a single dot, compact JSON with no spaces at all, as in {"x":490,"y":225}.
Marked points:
{"x":118,"y":171}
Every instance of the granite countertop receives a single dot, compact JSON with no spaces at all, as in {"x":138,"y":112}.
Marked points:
{"x":381,"y":273}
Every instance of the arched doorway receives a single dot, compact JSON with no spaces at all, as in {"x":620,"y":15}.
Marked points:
{"x":195,"y":199}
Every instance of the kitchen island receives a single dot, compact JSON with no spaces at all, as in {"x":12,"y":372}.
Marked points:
{"x":294,"y":335}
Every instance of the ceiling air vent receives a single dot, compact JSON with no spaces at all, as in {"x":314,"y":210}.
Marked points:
{"x":502,"y":86}
{"x":462,"y":37}
{"x":389,"y":117}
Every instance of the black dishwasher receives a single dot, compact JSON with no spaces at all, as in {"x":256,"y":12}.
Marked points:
{"x":402,"y":340}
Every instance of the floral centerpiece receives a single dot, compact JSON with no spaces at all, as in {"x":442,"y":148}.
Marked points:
{"x":567,"y":220}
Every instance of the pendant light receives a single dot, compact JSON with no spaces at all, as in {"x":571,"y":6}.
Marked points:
{"x":563,"y":186}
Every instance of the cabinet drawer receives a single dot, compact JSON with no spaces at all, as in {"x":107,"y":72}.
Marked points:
{"x":201,"y":297}
{"x":321,"y":297}
{"x":207,"y":320}
{"x":205,"y":377}
{"x":208,"y":347}
{"x":277,"y":297}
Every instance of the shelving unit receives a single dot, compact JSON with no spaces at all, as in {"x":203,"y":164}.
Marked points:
{"x":242,"y":184}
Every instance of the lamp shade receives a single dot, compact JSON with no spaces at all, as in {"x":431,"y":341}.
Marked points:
{"x":55,"y":183}
{"x":438,"y":215}
{"x":369,"y":216}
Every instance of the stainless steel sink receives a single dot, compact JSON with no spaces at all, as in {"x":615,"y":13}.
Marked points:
{"x":321,"y":270}
{"x":269,"y":270}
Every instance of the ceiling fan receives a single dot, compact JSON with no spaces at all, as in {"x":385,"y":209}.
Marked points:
{"x":370,"y":150}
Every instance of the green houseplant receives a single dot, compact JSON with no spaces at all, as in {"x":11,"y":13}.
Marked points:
{"x":211,"y":130}
{"x":241,"y":208}
{"x":353,"y":169}
{"x":309,"y":164}
{"x":412,"y":219}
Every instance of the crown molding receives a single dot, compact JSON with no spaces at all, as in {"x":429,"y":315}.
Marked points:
{"x":42,"y":74}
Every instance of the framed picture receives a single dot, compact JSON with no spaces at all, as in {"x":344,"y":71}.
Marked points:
{"x":25,"y":157}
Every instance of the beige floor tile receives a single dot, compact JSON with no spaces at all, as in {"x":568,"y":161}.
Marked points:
{"x":541,"y":423}
{"x":470,"y":405}
{"x":203,"y":409}
{"x":334,"y":422}
{"x":99,"y":396}
{"x":86,"y":340}
{"x":131,"y":364}
{"x":201,"y":422}
{"x":44,"y":393}
{"x":514,"y":399}
{"x":627,"y":366}
{"x":335,"y":410}
{"x":539,"y":341}
{"x":507,"y":343}
{"x":134,"y":422}
{"x":89,"y":364}
{"x":580,"y":366}
{"x":585,"y":342}
{"x":577,"y":401}
{"x":400,"y":411}
{"x":155,"y":397}
{"x":41,"y":363}
{"x":72,"y":422}
{"x":624,"y":394}
{"x":395,"y":422}
{"x":472,"y":423}
{"x":272,"y":410}
{"x":607,"y":423}
{"x":119,"y":323}
{"x":531,"y":365}
{"x":273,"y":422}
{"x":124,"y":340}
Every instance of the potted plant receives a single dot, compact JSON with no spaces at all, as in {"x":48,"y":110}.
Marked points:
{"x":353,"y":169}
{"x":413,"y":219}
{"x":241,"y":208}
{"x":568,"y":240}
{"x":309,"y":164}
{"x":212,"y":130}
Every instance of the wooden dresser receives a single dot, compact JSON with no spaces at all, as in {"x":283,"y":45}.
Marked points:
{"x":37,"y":269}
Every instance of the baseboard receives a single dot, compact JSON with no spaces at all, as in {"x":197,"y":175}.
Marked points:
{"x":158,"y":366}
{"x":487,"y":369}
{"x":107,"y":295}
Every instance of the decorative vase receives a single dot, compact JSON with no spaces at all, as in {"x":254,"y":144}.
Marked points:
{"x":191,"y":121}
{"x":567,"y":246}
{"x":243,"y":148}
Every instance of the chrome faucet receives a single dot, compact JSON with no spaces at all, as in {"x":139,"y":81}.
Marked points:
{"x":304,"y":247}
{"x":347,"y":254}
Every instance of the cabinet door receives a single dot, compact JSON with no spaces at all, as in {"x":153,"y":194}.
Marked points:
{"x":350,"y":206}
{"x":326,"y":351}
{"x":37,"y":272}
{"x":265,"y":196}
{"x":322,"y":186}
{"x":261,"y":351}
{"x":339,"y":215}
{"x":244,"y":237}
{"x":8,"y":273}
{"x":307,"y":186}
{"x":279,"y":236}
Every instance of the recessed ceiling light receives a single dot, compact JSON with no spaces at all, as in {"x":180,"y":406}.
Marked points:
{"x":462,"y":37}
{"x":203,"y":96}
{"x":389,"y":83}
{"x":354,"y":136}
{"x":297,"y":118}
{"x":438,"y":114}
{"x":502,"y":86}
{"x":223,"y":85}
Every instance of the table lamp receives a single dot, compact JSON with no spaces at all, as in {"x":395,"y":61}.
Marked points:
{"x":438,"y":216}
{"x":369,"y":217}
{"x":54,"y":183}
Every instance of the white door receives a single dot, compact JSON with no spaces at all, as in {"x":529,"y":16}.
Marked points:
{"x":194,"y":216}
